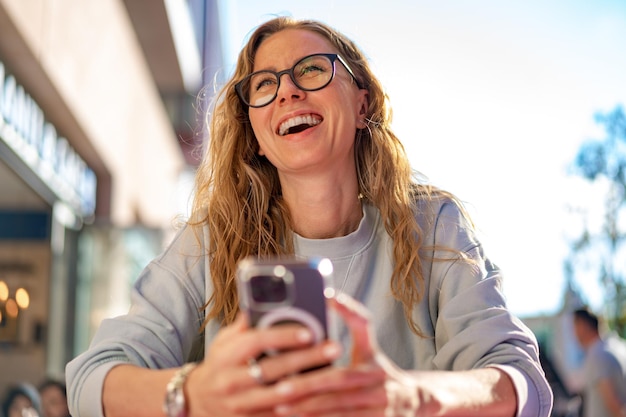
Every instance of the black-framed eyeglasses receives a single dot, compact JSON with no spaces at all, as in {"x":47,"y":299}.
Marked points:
{"x":311,"y":73}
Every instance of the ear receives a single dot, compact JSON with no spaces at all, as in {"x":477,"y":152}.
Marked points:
{"x":363,"y":106}
{"x":364,"y":101}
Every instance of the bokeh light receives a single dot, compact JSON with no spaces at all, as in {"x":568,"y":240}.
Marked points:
{"x":11,"y":308}
{"x":4,"y":291}
{"x":22,"y":298}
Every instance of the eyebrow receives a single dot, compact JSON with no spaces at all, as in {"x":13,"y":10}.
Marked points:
{"x":275,"y":69}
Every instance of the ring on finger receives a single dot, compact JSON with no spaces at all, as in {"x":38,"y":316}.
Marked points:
{"x":255,"y":371}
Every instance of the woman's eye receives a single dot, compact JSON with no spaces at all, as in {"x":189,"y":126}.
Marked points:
{"x":263,"y":82}
{"x":312,"y":68}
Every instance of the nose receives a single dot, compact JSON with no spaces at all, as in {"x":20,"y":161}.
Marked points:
{"x":288,"y":89}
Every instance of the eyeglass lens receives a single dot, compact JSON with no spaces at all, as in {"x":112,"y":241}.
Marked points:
{"x":309,"y":74}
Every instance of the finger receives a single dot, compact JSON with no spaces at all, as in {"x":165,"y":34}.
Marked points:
{"x":238,"y":394}
{"x":351,"y":402}
{"x":329,"y":380}
{"x":236,"y":348}
{"x":258,"y":401}
{"x":357,"y":412}
{"x":357,"y":319}
{"x":238,"y":379}
{"x":279,"y":366}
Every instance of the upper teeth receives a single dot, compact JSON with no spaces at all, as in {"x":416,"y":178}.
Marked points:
{"x":298,"y":120}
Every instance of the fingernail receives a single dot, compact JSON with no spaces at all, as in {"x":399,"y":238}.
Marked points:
{"x":365,"y":367}
{"x":304,"y":336}
{"x":282,"y":409}
{"x":331,"y":351}
{"x":341,"y":298}
{"x":284,"y":388}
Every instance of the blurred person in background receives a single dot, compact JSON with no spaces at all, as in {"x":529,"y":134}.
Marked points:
{"x":302,"y":161}
{"x":604,"y":368}
{"x":53,"y":398}
{"x":21,"y":400}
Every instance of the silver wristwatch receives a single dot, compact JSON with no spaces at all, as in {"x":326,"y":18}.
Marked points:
{"x":174,"y":404}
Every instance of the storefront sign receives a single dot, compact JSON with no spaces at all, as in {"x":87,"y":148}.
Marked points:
{"x":24,"y":129}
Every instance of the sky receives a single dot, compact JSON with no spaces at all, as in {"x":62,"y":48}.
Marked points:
{"x":491,"y":100}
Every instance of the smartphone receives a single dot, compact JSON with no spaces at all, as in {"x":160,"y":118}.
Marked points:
{"x":279,"y":291}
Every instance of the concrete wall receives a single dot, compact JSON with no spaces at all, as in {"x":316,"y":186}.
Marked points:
{"x":81,"y":62}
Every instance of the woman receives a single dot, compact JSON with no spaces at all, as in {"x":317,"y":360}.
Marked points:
{"x":302,"y":161}
{"x":53,"y":394}
{"x":21,"y":400}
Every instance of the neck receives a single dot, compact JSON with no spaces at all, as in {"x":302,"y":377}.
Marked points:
{"x":321,"y":213}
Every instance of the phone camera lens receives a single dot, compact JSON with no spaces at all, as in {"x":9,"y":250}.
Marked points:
{"x":268,"y":289}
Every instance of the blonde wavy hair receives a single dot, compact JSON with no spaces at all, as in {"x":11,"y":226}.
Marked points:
{"x":238,"y":193}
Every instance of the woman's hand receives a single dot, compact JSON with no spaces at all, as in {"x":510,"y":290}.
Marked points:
{"x":370,"y":386}
{"x":223,"y":385}
{"x":374,"y":386}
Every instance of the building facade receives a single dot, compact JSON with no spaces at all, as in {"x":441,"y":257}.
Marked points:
{"x":97,"y":133}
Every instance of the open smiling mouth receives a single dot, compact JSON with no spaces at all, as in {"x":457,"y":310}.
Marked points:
{"x":298,"y":124}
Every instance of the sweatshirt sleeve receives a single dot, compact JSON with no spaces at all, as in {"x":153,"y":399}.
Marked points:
{"x":157,"y":332}
{"x":473,"y":326}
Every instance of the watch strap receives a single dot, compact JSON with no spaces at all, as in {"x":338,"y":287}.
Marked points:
{"x":175,"y":404}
